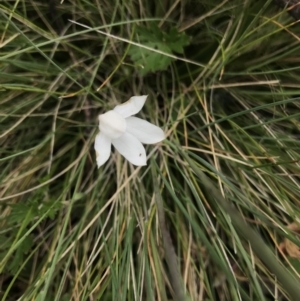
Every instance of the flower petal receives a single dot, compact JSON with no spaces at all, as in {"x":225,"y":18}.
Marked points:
{"x":112,"y":124}
{"x":132,"y":106}
{"x":144,"y":131}
{"x":102,"y":148}
{"x":131,"y":148}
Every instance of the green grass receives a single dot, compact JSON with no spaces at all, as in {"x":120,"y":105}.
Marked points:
{"x":206,"y":218}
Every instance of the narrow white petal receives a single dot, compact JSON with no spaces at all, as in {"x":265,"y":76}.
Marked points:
{"x":102,"y":148}
{"x":112,"y":124}
{"x":144,"y":131}
{"x":131,"y":148}
{"x":132,"y":106}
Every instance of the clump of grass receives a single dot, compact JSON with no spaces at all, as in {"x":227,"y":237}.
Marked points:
{"x":229,"y":104}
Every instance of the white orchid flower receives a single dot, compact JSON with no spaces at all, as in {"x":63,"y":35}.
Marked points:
{"x":126,"y":133}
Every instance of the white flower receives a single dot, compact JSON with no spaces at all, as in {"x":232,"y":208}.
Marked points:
{"x":126,"y":133}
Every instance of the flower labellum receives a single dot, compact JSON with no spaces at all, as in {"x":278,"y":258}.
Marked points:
{"x":126,"y":133}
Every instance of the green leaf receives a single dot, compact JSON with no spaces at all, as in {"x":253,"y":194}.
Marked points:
{"x":19,"y":212}
{"x":17,"y":258}
{"x":154,"y":38}
{"x":51,"y":208}
{"x":176,"y":40}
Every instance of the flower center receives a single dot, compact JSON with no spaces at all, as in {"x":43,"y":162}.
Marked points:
{"x":112,"y":124}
